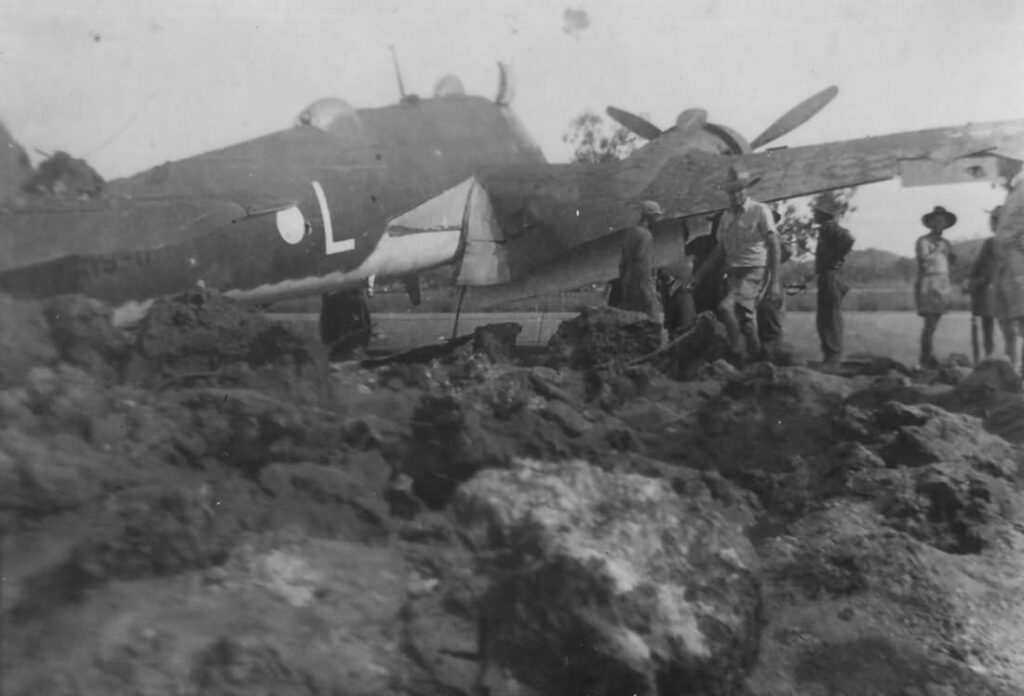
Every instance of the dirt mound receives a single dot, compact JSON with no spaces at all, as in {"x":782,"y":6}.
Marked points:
{"x":83,"y":333}
{"x":949,"y":506}
{"x":992,"y":392}
{"x":25,"y":339}
{"x":509,"y":413}
{"x":602,"y":335}
{"x":228,"y":523}
{"x":767,"y":415}
{"x":72,"y":329}
{"x":855,"y":608}
{"x":918,"y":435}
{"x":202,"y":331}
{"x":496,"y":342}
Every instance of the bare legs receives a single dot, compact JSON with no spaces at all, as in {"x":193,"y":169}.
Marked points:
{"x":931,"y":322}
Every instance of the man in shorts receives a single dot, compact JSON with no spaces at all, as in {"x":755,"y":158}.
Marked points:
{"x":749,"y":244}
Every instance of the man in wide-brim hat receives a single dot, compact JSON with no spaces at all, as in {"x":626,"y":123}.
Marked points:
{"x":834,"y":243}
{"x":938,"y":213}
{"x":749,"y":245}
{"x":738,"y":180}
{"x":933,"y":290}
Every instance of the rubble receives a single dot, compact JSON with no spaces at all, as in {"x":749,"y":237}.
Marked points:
{"x":202,"y":507}
{"x":992,"y":392}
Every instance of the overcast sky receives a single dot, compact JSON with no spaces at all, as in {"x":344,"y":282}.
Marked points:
{"x":133,"y":84}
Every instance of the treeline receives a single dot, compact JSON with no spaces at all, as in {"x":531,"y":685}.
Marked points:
{"x":874,"y":268}
{"x":883,"y":281}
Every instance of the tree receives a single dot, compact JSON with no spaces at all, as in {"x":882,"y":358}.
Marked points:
{"x":797,"y":227}
{"x":595,"y":140}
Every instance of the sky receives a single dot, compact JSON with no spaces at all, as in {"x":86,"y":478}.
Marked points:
{"x":131,"y":85}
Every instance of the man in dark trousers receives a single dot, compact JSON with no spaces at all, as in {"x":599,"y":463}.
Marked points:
{"x":980,"y":288}
{"x":834,"y":243}
{"x":771,"y":311}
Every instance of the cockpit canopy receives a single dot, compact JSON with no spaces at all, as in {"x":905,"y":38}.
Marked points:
{"x":333,"y":116}
{"x":449,"y":86}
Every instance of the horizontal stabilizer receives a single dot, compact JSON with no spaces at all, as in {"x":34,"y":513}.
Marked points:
{"x":442,"y":212}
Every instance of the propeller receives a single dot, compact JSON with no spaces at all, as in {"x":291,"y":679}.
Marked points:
{"x":691,"y":118}
{"x":795,"y":117}
{"x":631,"y":122}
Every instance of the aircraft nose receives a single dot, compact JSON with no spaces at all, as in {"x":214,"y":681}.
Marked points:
{"x":291,"y":224}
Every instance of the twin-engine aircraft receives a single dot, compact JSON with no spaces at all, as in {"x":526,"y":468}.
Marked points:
{"x":348,"y":197}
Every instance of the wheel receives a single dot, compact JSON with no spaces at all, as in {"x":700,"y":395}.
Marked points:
{"x":344,"y":322}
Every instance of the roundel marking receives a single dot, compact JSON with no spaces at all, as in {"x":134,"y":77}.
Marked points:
{"x":291,"y":225}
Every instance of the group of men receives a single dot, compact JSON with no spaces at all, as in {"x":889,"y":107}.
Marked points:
{"x":996,"y":283}
{"x":736,"y":275}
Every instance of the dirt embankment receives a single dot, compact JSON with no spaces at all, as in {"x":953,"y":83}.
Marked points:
{"x":208,"y":507}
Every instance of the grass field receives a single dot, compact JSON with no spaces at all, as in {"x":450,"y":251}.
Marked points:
{"x":871,"y":325}
{"x":893,"y":334}
{"x":894,"y":298}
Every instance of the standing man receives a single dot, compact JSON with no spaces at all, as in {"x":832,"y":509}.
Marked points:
{"x":1009,"y":270}
{"x":636,"y":277}
{"x":834,"y":243}
{"x":750,"y":247}
{"x":933,"y":291}
{"x":981,"y":290}
{"x":771,"y":313}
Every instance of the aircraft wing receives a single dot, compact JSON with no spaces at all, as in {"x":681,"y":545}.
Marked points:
{"x":689,"y":184}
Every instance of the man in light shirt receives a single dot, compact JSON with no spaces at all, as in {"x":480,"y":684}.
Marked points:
{"x":748,"y":242}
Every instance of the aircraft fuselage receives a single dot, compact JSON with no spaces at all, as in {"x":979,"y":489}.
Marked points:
{"x":348,"y":176}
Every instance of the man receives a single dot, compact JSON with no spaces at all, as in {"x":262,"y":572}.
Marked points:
{"x":636,"y":278}
{"x":683,"y":302}
{"x":933,"y":290}
{"x":1008,"y":282}
{"x":771,"y":313}
{"x":712,"y":289}
{"x":834,"y":243}
{"x":749,"y":245}
{"x":980,"y":288}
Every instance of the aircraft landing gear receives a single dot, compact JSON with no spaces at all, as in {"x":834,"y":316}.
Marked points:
{"x":344,"y":322}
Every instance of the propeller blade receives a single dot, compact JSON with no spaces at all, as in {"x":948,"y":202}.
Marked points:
{"x":795,"y":117}
{"x":631,"y":122}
